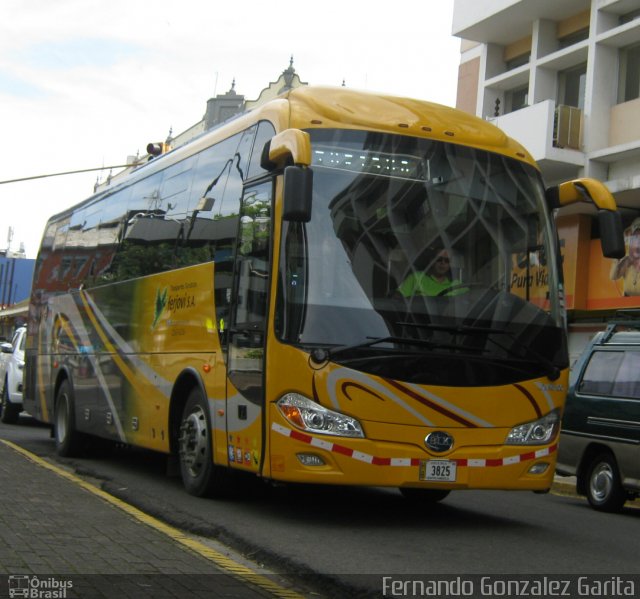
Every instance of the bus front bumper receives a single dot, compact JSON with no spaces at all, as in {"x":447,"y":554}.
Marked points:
{"x":297,"y":456}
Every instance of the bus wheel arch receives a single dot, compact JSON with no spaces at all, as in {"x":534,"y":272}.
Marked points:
{"x":185,"y":383}
{"x":191,"y":438}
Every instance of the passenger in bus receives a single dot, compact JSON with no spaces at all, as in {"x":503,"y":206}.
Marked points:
{"x":437,"y":279}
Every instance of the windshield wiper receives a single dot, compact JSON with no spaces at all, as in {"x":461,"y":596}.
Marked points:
{"x":551,"y":370}
{"x":321,"y":354}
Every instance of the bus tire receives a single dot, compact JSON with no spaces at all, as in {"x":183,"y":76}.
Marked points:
{"x":8,"y":412}
{"x":423,"y":496}
{"x":602,"y":486}
{"x":195,"y":444}
{"x":67,"y":437}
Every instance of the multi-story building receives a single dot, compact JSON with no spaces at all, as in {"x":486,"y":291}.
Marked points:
{"x":563,"y":78}
{"x":16,"y":273}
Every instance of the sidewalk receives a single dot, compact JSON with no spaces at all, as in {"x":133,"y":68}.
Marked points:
{"x":61,"y":537}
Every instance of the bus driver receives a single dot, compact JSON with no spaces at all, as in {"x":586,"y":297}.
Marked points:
{"x":435,"y":281}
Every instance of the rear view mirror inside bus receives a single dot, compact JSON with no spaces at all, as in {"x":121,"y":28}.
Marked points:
{"x":298,"y":183}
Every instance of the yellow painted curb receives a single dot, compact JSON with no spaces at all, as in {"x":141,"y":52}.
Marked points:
{"x":230,"y":566}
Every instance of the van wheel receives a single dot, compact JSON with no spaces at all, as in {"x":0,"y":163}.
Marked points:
{"x":199,"y":474}
{"x":8,"y":412}
{"x":67,"y":438}
{"x":603,"y":488}
{"x":425,"y":496}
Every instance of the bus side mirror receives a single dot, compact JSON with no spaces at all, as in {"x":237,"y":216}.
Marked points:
{"x":296,"y":197}
{"x":288,"y":146}
{"x":611,"y":234}
{"x":609,"y":219}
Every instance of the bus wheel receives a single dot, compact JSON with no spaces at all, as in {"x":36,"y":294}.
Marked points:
{"x":195,"y":445}
{"x":67,"y":438}
{"x":8,"y":412}
{"x":603,"y":488}
{"x":425,"y":496}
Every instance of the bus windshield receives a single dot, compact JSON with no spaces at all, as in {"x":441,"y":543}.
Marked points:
{"x":425,"y":261}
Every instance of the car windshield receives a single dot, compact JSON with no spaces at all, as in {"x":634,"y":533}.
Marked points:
{"x":438,"y":257}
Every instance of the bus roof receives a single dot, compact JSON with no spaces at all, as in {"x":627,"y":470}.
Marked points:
{"x":309,"y":107}
{"x":343,"y":108}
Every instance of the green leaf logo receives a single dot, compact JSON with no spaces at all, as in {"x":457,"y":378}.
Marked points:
{"x":161,"y":303}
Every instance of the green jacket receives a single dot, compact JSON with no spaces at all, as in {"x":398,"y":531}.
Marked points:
{"x":420,"y":283}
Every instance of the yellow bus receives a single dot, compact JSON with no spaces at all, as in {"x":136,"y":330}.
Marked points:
{"x":241,"y":302}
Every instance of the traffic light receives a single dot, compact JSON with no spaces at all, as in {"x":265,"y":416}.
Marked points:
{"x":157,"y":148}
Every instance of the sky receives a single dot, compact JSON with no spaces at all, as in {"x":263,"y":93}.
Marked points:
{"x":86,"y":83}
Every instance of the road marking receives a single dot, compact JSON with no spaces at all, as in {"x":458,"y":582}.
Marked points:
{"x":234,"y":568}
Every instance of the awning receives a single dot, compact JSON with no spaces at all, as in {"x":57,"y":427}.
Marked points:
{"x":19,"y":309}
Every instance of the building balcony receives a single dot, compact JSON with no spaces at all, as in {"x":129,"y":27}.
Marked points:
{"x":505,"y":21}
{"x":547,"y":132}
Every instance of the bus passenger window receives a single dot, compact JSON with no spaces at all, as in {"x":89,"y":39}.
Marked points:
{"x":264,"y":134}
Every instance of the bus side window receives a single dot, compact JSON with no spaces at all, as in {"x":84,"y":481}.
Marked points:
{"x":264,"y":134}
{"x":210,"y":177}
{"x":142,"y":239}
{"x":104,"y":237}
{"x":175,"y":193}
{"x":226,"y":220}
{"x":243,"y":152}
{"x":176,"y":187}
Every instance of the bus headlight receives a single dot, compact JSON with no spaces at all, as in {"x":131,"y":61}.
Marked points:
{"x":537,"y":432}
{"x":312,"y":417}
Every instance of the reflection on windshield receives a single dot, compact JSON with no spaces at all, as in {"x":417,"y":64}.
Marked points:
{"x":412,"y":239}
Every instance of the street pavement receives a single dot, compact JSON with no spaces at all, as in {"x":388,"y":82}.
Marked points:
{"x":61,"y":537}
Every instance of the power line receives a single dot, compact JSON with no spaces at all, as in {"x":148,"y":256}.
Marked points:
{"x":85,"y":170}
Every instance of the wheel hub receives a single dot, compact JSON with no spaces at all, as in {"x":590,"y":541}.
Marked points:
{"x":601,"y":482}
{"x":193,"y":441}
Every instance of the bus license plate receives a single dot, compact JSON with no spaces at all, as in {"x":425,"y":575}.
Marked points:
{"x":438,"y":470}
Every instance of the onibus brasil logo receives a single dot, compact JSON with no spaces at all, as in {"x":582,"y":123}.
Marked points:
{"x":38,"y":587}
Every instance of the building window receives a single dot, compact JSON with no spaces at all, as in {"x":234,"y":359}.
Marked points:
{"x":572,"y":84}
{"x":629,"y":17}
{"x":629,"y":84}
{"x":515,"y":99}
{"x":574,"y":38}
{"x":518,"y":61}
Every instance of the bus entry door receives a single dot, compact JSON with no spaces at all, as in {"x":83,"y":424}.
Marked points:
{"x":247,"y":333}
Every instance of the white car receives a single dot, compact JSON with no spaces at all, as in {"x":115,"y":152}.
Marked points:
{"x":11,"y":373}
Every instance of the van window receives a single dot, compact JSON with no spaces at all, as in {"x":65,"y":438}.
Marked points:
{"x":627,"y":383}
{"x":600,"y":372}
{"x":613,"y":373}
